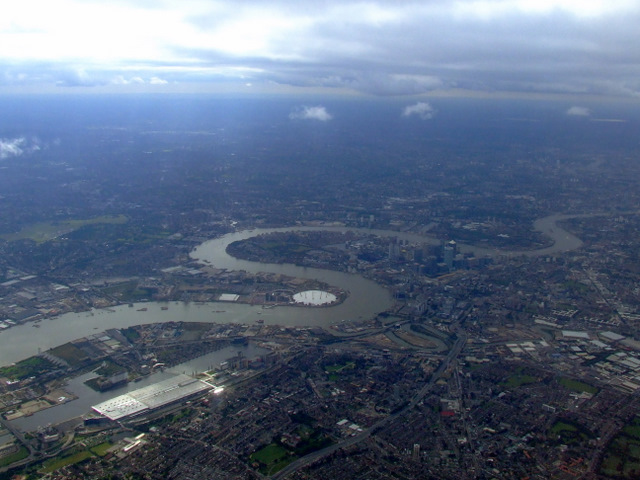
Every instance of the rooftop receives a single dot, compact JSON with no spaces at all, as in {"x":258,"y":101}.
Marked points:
{"x":151,"y":397}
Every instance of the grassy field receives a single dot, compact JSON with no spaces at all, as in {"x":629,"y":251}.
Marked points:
{"x":519,"y":379}
{"x":286,"y":249}
{"x":333,"y":371}
{"x":577,"y":386}
{"x":101,"y":449}
{"x":269,"y":454}
{"x":131,"y":334}
{"x":14,"y":457}
{"x":56,"y":463}
{"x":129,"y":292}
{"x":561,"y":427}
{"x":45,"y":231}
{"x":70,"y":354}
{"x":568,"y":432}
{"x":30,"y":367}
{"x":622,"y":458}
{"x":339,"y":368}
{"x":633,"y":430}
{"x":272,"y":458}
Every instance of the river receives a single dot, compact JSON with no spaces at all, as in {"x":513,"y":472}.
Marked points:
{"x":365,"y":299}
{"x":87,"y":397}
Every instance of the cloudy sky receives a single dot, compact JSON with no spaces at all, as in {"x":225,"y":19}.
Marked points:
{"x":565,"y":47}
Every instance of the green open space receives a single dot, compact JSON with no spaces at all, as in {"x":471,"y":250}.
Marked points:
{"x":568,"y":432}
{"x":577,"y":385}
{"x":105,"y":372}
{"x":108,"y":368}
{"x":285,"y":248}
{"x":272,"y":458}
{"x":304,"y":419}
{"x":275,"y":456}
{"x":70,"y":354}
{"x":519,"y":379}
{"x":312,"y":440}
{"x":101,"y":449}
{"x":334,"y":371}
{"x":269,"y":454}
{"x":130,"y":334}
{"x":632,"y":431}
{"x":576,"y":287}
{"x":194,"y":330}
{"x":45,"y":231}
{"x":560,"y":427}
{"x":30,"y":367}
{"x":14,"y":457}
{"x":129,"y":292}
{"x":622,"y":457}
{"x":339,"y":368}
{"x":59,"y":462}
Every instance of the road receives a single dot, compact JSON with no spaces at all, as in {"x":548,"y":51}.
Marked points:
{"x":315,"y":456}
{"x":20,"y":437}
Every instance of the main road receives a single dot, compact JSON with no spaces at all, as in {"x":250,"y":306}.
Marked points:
{"x":419,"y":395}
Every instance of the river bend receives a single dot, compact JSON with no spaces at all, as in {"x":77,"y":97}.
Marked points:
{"x":365,"y":299}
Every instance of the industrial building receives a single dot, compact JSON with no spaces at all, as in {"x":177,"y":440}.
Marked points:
{"x":153,"y":397}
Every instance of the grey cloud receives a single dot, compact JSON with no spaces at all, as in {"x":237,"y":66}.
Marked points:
{"x":576,"y":111}
{"x":384,"y":83}
{"x":516,"y":52}
{"x":429,"y":48}
{"x":418,"y":48}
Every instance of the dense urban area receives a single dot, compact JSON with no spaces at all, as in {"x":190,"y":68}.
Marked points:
{"x":509,"y":348}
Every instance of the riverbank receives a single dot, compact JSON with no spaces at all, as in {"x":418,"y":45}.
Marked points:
{"x":366,"y":299}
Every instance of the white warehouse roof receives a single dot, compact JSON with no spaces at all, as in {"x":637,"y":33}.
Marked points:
{"x":148,"y":398}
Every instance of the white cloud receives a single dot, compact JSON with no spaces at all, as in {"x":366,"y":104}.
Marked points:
{"x":422,"y":109}
{"x":578,"y":111}
{"x":157,"y":81}
{"x":310,"y":113}
{"x":79,"y":77}
{"x":11,"y":147}
{"x":121,"y":80}
{"x":18,"y":146}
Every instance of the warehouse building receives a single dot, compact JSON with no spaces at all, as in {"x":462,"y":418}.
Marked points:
{"x":148,"y":399}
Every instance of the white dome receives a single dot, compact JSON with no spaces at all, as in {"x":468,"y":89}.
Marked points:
{"x":314,"y":297}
